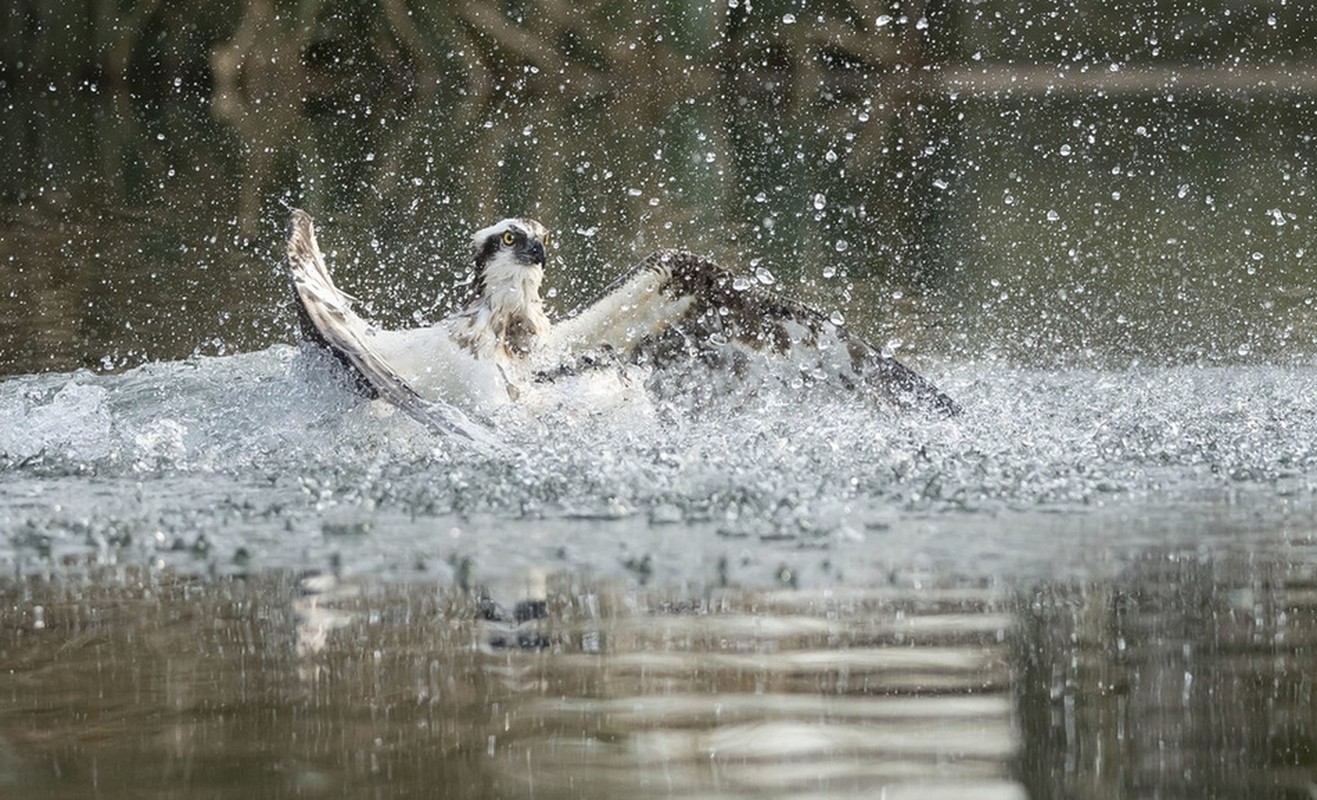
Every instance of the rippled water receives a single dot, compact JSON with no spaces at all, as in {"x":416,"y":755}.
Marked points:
{"x":325,"y":688}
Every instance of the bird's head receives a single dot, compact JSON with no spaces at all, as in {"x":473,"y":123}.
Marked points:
{"x":509,"y":265}
{"x":508,"y":244}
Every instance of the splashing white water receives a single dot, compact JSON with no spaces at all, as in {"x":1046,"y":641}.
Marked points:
{"x":271,"y":453}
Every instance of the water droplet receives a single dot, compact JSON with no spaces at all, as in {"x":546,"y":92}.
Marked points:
{"x":1052,"y":216}
{"x":1065,"y":150}
{"x":831,"y":156}
{"x":841,"y":245}
{"x":830,"y":271}
{"x":788,"y":19}
{"x":938,"y":183}
{"x":837,"y":319}
{"x":883,"y":19}
{"x":740,"y":283}
{"x":764,"y":276}
{"x":820,"y":201}
{"x":1183,"y":190}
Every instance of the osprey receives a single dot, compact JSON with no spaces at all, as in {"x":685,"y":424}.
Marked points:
{"x":674,"y":312}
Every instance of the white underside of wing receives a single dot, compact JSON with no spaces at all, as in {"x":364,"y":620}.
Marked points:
{"x":441,"y":370}
{"x":632,"y":311}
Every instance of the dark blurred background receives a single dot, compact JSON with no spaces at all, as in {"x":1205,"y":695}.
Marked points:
{"x":1047,"y":183}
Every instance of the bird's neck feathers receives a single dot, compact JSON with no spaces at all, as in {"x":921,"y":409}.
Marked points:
{"x":506,"y":317}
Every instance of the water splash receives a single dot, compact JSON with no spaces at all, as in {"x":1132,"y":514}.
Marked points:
{"x":271,"y":454}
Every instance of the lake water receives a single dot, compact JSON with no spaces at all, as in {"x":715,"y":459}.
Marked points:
{"x":225,"y":574}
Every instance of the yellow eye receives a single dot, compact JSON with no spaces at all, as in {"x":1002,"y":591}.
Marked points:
{"x":508,"y":238}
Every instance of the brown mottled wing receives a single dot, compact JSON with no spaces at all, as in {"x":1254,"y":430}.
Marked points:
{"x":676,"y":306}
{"x":327,"y":318}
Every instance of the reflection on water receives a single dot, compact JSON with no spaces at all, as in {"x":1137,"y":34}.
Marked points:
{"x":1192,"y":675}
{"x":1185,"y":675}
{"x":269,"y":684}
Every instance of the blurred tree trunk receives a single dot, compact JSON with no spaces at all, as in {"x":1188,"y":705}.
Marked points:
{"x":120,"y":34}
{"x":262,"y":63}
{"x":260,"y":83}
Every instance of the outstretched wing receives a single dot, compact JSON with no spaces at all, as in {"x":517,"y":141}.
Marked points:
{"x":327,"y":318}
{"x":677,"y":307}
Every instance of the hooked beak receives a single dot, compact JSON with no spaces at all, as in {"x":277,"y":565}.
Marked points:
{"x":534,"y":252}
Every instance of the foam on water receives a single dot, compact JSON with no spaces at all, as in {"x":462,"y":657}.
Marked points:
{"x":269,"y":455}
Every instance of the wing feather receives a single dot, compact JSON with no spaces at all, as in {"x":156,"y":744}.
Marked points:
{"x":327,"y":318}
{"x":675,"y":306}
